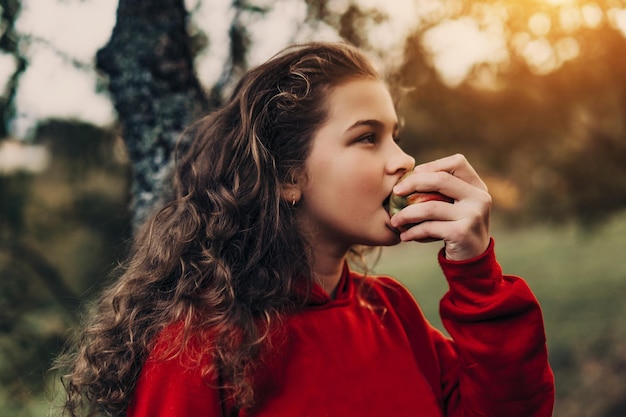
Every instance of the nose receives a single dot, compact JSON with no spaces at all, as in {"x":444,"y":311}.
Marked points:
{"x":399,"y":161}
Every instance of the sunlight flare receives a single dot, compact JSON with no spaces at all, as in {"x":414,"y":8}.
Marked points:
{"x":560,"y":2}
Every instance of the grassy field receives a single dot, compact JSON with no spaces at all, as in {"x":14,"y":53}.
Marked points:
{"x":579,"y":277}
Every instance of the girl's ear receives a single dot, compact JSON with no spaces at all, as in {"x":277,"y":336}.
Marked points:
{"x":292,"y":191}
{"x":291,"y":194}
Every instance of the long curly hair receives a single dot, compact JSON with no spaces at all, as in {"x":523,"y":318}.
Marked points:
{"x":225,"y":252}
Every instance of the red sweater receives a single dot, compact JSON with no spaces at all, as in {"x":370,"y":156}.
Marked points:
{"x":371,"y":352}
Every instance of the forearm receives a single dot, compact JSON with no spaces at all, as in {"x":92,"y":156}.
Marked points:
{"x":497,"y":326}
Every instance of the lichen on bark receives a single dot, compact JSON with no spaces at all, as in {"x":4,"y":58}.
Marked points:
{"x":154,"y":88}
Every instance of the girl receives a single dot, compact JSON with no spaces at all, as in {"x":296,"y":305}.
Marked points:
{"x":237,"y":299}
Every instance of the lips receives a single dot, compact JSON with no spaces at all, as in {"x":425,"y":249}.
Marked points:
{"x":386,"y":204}
{"x":395,"y":203}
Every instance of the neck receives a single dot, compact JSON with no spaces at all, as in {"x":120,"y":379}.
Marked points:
{"x":328,"y":258}
{"x":328,"y":267}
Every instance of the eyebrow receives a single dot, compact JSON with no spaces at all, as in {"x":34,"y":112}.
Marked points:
{"x":371,"y":123}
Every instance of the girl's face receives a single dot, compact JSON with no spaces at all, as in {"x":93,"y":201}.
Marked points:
{"x":354,"y":163}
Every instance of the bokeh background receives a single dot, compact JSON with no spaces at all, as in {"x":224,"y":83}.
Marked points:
{"x":533,"y":92}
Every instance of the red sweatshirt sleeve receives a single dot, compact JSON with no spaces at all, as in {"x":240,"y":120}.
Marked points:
{"x":496,"y":323}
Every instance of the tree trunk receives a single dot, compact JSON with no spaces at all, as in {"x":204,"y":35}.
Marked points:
{"x":154,"y":89}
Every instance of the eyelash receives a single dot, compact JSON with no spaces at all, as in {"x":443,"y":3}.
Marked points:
{"x":369,"y":138}
{"x":372,"y":138}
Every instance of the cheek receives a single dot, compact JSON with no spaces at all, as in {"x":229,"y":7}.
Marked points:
{"x":346,"y":179}
{"x":356,"y":189}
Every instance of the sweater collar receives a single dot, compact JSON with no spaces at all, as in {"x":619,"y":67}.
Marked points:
{"x":320,"y":297}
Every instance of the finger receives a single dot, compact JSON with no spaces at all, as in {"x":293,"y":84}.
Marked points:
{"x":466,"y":246}
{"x":424,"y":211}
{"x":427,"y":231}
{"x":442,"y":182}
{"x":456,"y":165}
{"x":464,"y":226}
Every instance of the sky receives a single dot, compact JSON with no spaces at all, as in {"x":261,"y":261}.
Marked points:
{"x":65,"y":32}
{"x":62,"y":31}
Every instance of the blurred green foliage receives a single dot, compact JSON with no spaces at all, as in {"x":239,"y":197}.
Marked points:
{"x":61,"y":232}
{"x":550,"y":146}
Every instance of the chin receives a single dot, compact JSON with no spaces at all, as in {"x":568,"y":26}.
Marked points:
{"x":395,"y":242}
{"x":392,"y":237}
{"x":390,"y":244}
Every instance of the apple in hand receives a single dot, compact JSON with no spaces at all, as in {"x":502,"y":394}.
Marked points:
{"x":397,"y":202}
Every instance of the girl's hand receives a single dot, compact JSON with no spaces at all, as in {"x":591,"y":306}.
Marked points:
{"x":464,"y":225}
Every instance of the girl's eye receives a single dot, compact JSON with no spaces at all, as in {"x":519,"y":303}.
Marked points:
{"x":369,"y":138}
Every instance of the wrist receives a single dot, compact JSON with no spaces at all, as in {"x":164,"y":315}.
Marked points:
{"x":462,"y":253}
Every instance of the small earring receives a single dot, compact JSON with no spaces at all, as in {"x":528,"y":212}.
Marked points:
{"x":293,"y":200}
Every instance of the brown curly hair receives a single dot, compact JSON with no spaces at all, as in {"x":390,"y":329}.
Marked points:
{"x":225,"y":253}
